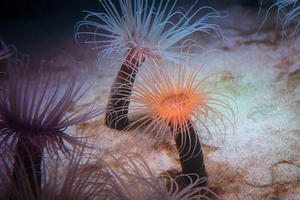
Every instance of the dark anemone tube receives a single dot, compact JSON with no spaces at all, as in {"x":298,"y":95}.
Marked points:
{"x":28,"y":165}
{"x":117,"y":108}
{"x":33,"y":117}
{"x":190,"y":152}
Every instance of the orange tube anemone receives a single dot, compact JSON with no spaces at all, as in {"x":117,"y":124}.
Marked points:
{"x":172,"y":95}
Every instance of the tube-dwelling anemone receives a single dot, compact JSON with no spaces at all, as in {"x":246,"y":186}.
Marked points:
{"x":33,"y":116}
{"x":146,"y":26}
{"x":291,"y":24}
{"x":288,"y":17}
{"x":36,"y":107}
{"x":137,"y":30}
{"x":172,"y":95}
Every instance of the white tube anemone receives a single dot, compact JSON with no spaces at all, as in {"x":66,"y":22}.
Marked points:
{"x":144,"y":26}
{"x":291,"y":24}
{"x":287,"y":17}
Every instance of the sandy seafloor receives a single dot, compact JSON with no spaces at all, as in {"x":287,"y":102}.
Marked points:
{"x":260,"y":159}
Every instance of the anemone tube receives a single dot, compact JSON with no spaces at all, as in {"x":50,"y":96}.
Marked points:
{"x":138,"y":26}
{"x":122,"y":87}
{"x":33,"y":118}
{"x":192,"y":162}
{"x":28,"y":162}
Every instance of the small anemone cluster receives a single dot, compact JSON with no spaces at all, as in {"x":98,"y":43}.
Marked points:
{"x":137,"y":32}
{"x":36,"y":109}
{"x":91,"y":177}
{"x":146,"y":35}
{"x":40,"y":160}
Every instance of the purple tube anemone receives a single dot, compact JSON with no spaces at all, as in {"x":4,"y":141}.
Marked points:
{"x":34,"y":116}
{"x":137,"y":31}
